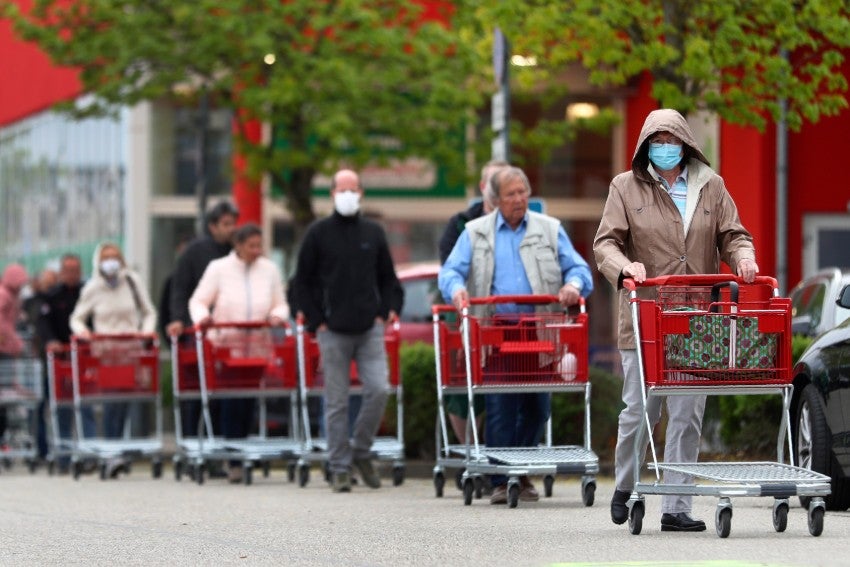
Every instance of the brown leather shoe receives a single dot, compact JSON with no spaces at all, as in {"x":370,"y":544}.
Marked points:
{"x":500,"y":494}
{"x":527,"y":492}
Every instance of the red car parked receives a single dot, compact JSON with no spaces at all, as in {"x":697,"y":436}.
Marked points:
{"x":420,"y":292}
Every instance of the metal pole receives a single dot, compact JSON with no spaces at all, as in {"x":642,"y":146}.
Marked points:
{"x":782,"y":199}
{"x":200,"y":163}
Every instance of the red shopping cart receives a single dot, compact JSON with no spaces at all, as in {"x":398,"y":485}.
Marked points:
{"x":113,"y":372}
{"x":248,"y":360}
{"x":60,"y":384}
{"x":716,"y":335}
{"x":544,"y":350}
{"x":385,"y":448}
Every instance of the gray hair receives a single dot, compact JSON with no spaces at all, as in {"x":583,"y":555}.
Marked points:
{"x":487,"y":171}
{"x":502,"y":176}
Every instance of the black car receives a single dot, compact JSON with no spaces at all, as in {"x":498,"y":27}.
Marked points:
{"x":821,"y":408}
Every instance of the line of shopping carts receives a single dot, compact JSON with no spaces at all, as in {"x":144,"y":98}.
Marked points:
{"x":20,"y":397}
{"x":100,"y":385}
{"x":272,"y":366}
{"x":533,"y":349}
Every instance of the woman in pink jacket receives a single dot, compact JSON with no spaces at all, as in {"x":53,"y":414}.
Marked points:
{"x":242,"y":286}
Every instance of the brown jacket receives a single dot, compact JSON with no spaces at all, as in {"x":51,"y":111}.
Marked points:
{"x":640,"y":222}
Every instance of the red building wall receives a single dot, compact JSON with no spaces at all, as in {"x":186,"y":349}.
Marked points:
{"x":29,"y":82}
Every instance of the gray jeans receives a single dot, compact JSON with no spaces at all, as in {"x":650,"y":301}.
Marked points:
{"x":684,"y":428}
{"x":337,"y":351}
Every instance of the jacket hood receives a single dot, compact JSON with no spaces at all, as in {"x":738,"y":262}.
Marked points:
{"x":14,"y":277}
{"x":663,"y":120}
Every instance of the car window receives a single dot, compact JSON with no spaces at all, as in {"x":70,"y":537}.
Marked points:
{"x":419,"y":295}
{"x":808,"y":301}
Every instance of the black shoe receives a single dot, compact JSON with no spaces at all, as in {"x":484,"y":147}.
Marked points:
{"x":681,"y":522}
{"x":619,"y":510}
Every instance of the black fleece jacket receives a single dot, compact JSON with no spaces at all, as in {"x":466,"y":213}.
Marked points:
{"x":345,"y":276}
{"x":187,"y":273}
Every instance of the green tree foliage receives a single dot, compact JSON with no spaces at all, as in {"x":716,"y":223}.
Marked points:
{"x":348,"y":77}
{"x":727,"y":57}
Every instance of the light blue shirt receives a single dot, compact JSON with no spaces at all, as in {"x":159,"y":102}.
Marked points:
{"x":509,"y":276}
{"x":679,"y":191}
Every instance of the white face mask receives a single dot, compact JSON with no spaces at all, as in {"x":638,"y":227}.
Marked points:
{"x":110,"y":267}
{"x":347,"y":203}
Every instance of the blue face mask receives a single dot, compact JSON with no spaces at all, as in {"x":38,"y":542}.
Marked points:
{"x":665,"y":156}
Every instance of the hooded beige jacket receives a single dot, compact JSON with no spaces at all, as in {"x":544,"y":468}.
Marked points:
{"x":640,"y":222}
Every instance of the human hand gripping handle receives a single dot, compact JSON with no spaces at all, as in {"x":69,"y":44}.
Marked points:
{"x":636,"y":271}
{"x":460,"y":299}
{"x":747,"y":269}
{"x":568,"y":295}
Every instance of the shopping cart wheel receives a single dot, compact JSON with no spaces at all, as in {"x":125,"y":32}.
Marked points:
{"x":815,"y":520}
{"x":267,"y":469}
{"x":439,"y":483}
{"x":513,"y":495}
{"x":588,"y":493}
{"x":548,"y":483}
{"x":398,"y":476}
{"x":291,"y":469}
{"x":77,"y":469}
{"x":178,"y":470}
{"x":200,"y":471}
{"x":459,"y":478}
{"x":468,"y":490}
{"x":780,"y":516}
{"x":723,"y":522}
{"x":103,"y":475}
{"x":32,"y":464}
{"x":303,"y":475}
{"x":51,"y":468}
{"x":479,"y":487}
{"x":156,"y":469}
{"x":247,"y":473}
{"x":636,"y":518}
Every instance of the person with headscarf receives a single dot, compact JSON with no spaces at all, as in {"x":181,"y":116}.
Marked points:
{"x":670,"y":214}
{"x":11,"y":345}
{"x":117,"y":302}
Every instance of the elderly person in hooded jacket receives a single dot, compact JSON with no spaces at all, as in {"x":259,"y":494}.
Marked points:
{"x":670,"y":214}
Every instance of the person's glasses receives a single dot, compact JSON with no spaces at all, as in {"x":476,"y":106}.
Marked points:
{"x":665,"y":139}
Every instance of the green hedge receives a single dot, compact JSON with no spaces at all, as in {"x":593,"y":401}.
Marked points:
{"x":420,"y":408}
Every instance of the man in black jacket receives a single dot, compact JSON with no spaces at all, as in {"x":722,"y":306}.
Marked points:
{"x":346,"y":287}
{"x":54,"y":332}
{"x":221,"y":224}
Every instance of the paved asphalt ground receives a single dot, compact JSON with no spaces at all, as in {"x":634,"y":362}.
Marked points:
{"x":136,"y":520}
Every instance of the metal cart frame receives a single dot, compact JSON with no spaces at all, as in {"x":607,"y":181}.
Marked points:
{"x":555,"y":335}
{"x":384,"y":448}
{"x":654,"y":324}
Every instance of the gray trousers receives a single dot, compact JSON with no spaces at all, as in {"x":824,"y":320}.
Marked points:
{"x":337,"y":351}
{"x":684,"y":428}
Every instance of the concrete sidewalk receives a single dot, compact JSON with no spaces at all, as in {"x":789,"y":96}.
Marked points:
{"x":138,"y":520}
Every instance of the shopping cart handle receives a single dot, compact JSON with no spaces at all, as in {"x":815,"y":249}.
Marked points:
{"x":696,"y":279}
{"x":240,"y":325}
{"x":114,"y":336}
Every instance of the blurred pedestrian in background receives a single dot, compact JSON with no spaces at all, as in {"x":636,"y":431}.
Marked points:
{"x":346,"y":285}
{"x":11,"y":344}
{"x":117,"y":302}
{"x":240,"y":287}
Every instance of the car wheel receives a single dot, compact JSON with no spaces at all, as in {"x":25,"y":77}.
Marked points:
{"x":812,"y":447}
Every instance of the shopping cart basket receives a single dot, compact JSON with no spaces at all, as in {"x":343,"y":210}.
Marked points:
{"x":541,"y":351}
{"x":60,"y":385}
{"x":116,"y":369}
{"x":232,"y":360}
{"x":716,"y":335}
{"x":385,"y":448}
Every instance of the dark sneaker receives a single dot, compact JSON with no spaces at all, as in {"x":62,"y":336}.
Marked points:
{"x":681,"y":522}
{"x":619,"y":510}
{"x":367,"y":472}
{"x":341,"y":482}
{"x":527,"y":492}
{"x":500,"y":494}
